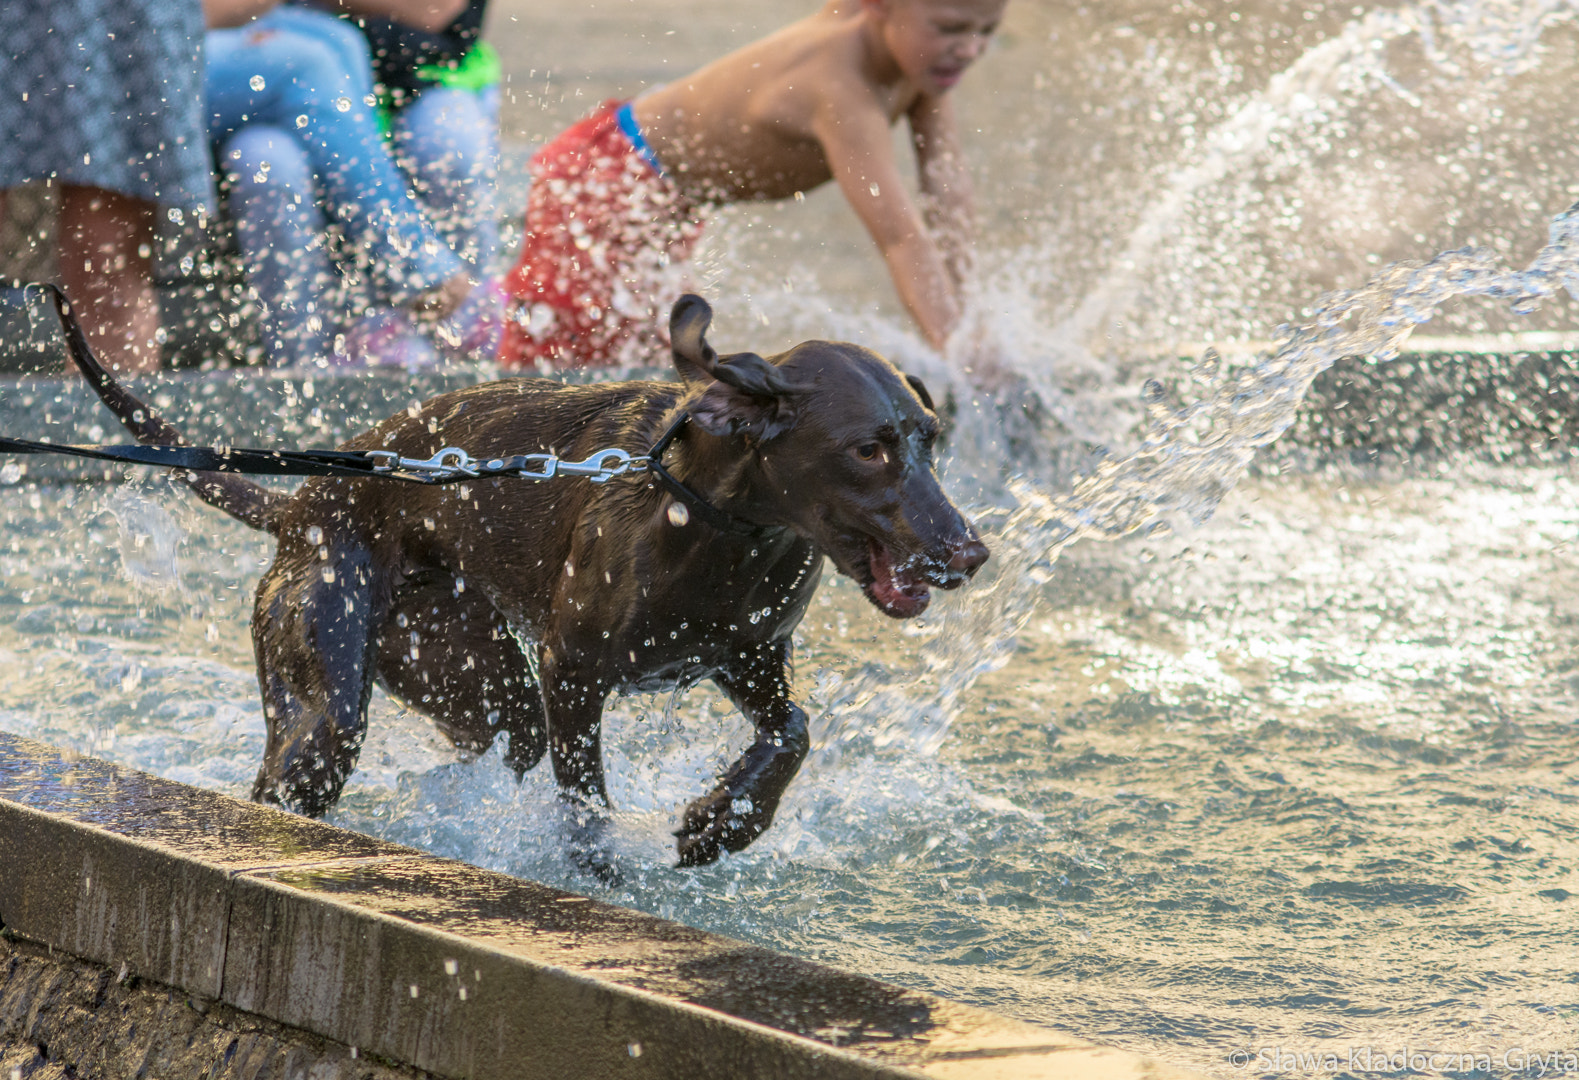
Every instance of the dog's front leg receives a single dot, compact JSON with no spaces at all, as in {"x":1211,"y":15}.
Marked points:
{"x":741,"y":807}
{"x":573,"y":703}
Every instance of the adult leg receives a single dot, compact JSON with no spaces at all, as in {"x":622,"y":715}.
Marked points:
{"x":106,"y":268}
{"x":281,"y":231}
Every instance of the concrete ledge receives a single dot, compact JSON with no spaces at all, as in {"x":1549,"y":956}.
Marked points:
{"x":1500,"y":404}
{"x":447,"y":968}
{"x":64,"y":1018}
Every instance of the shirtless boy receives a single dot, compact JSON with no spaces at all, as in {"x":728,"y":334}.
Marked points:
{"x":615,"y":199}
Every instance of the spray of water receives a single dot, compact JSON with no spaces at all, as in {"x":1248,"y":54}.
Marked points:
{"x":1191,"y":458}
{"x":1198,"y":245}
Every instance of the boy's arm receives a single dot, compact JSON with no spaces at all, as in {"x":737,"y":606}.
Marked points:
{"x":859,"y":147}
{"x":948,"y":200}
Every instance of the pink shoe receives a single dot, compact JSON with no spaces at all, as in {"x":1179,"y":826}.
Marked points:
{"x":386,"y":338}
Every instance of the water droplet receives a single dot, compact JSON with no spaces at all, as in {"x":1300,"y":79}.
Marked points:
{"x":301,"y":121}
{"x":369,"y":100}
{"x":677,"y":514}
{"x":175,"y":215}
{"x":343,"y":104}
{"x":875,"y":190}
{"x":256,"y":82}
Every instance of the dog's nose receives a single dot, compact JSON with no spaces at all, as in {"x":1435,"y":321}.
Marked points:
{"x":966,"y":556}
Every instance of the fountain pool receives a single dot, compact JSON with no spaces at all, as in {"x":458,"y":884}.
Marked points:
{"x":1297,"y":777}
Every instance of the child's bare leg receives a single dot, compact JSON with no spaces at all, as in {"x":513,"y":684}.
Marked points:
{"x":106,"y":267}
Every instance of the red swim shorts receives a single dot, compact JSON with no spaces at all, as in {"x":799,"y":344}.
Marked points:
{"x":605,"y":232}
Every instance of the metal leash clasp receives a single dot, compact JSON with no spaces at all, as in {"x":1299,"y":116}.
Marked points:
{"x":448,"y":463}
{"x":452,"y":462}
{"x":603,"y":466}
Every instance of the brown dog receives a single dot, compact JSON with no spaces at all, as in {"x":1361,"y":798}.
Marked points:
{"x":514,"y":606}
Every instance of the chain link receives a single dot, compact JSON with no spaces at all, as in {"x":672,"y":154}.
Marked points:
{"x":453,"y":463}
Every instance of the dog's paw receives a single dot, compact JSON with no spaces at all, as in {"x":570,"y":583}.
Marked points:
{"x":590,"y":849}
{"x":714,"y":824}
{"x":597,"y":863}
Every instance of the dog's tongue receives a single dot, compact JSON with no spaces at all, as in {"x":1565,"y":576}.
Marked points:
{"x":896,"y":592}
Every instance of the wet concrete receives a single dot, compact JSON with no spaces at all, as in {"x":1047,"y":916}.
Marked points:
{"x":63,"y":1018}
{"x":1496,"y":405}
{"x":445,"y":967}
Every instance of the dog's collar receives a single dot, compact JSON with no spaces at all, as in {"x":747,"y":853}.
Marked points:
{"x":718,"y":519}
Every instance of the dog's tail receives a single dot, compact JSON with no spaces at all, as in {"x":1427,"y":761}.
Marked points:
{"x":249,"y":503}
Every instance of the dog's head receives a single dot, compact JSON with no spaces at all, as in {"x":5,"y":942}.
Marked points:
{"x":843,"y":440}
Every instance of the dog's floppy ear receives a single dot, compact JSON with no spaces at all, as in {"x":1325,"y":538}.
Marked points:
{"x":750,"y":397}
{"x":745,"y":394}
{"x":694,"y":358}
{"x":921,"y":392}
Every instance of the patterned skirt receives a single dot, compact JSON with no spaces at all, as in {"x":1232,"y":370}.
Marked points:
{"x":105,"y":93}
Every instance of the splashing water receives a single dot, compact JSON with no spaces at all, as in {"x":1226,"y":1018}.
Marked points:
{"x":1199,"y":234}
{"x":1346,"y":65}
{"x":1193,"y":456}
{"x":1292,"y":766}
{"x":1190,"y":460}
{"x":149,"y":539}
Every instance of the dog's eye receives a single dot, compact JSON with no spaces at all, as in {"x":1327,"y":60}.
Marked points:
{"x":869,"y":451}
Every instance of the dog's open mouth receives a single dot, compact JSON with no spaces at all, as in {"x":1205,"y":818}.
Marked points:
{"x":898,"y":591}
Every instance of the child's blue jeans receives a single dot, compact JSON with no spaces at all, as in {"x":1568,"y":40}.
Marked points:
{"x":290,"y":115}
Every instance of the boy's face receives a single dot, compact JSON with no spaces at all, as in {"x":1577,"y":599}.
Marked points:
{"x":934,"y":41}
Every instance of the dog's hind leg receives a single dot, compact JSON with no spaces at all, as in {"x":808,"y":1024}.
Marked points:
{"x":451,"y":656}
{"x":312,"y":630}
{"x":742,"y":805}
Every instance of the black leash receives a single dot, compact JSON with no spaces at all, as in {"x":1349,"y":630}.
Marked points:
{"x":222,"y":459}
{"x":448,"y":466}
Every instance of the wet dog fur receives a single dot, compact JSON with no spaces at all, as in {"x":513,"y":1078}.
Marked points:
{"x":504,"y":606}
